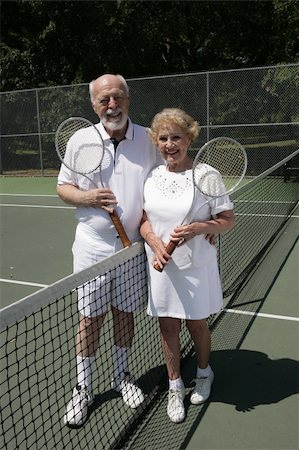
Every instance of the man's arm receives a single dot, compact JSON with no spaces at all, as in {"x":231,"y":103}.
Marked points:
{"x":96,"y":198}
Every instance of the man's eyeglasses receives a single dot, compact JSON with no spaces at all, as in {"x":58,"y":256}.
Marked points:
{"x":116,"y":98}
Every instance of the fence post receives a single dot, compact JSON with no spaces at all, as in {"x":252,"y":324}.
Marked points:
{"x":1,"y":170}
{"x":208,"y":106}
{"x":39,"y":133}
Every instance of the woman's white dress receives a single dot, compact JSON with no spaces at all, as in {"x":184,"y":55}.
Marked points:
{"x":189,"y":286}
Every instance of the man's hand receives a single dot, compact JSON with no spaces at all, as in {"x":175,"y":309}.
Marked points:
{"x":97,"y":198}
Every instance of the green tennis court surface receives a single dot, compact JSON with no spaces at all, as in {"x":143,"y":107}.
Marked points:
{"x":37,"y":232}
{"x":28,"y":185}
{"x":254,"y":403}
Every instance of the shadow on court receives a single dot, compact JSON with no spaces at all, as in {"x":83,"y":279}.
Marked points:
{"x":249,"y":378}
{"x":245,"y":379}
{"x":153,"y":380}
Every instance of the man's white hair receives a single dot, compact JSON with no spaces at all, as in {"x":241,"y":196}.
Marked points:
{"x":120,"y":77}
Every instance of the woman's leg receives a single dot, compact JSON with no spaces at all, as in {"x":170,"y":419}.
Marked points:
{"x":201,"y":336}
{"x":170,"y":331}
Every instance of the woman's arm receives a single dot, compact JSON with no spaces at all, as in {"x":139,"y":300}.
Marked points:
{"x":156,"y":244}
{"x":223,"y":221}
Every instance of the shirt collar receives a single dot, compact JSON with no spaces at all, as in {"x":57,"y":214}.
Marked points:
{"x":129,"y":133}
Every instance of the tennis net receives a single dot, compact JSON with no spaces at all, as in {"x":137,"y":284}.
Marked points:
{"x":38,"y":369}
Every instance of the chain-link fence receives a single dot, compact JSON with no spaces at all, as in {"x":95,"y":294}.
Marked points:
{"x":259,"y":107}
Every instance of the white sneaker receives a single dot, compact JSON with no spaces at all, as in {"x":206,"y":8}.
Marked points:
{"x":125,"y":384}
{"x":77,"y":408}
{"x":175,"y":407}
{"x":202,"y":389}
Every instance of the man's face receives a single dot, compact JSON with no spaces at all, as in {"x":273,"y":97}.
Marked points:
{"x":111,"y":104}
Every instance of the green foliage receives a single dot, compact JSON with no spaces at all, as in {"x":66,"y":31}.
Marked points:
{"x":48,"y":43}
{"x":282,"y":84}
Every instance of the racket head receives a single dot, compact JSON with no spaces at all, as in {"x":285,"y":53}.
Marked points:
{"x":219,"y":167}
{"x":79,"y":145}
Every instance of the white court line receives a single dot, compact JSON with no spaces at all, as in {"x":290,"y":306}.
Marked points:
{"x":264,"y":215}
{"x":268,"y":316}
{"x":262,"y":201}
{"x":31,"y":195}
{"x":25,"y":283}
{"x":37,"y":206}
{"x":73,"y":207}
{"x":228,"y":310}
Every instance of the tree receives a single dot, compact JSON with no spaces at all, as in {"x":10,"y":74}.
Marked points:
{"x":64,"y":42}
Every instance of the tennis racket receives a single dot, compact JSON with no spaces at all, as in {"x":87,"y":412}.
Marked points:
{"x":218,"y":168}
{"x":80,"y":147}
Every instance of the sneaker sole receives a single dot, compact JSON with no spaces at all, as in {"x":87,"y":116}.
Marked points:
{"x":177,"y":421}
{"x":73,"y":425}
{"x":201,"y":402}
{"x":117,"y":388}
{"x":181,"y":420}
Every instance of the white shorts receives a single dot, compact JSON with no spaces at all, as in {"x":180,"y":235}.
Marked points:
{"x":124,"y":287}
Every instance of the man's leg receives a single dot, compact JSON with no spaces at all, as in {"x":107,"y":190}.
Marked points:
{"x":123,"y":326}
{"x":87,"y":340}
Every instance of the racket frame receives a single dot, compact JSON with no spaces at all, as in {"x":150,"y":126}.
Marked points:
{"x":113,"y":215}
{"x":171,"y":246}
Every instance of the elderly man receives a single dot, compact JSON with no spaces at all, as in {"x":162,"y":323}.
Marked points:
{"x":131,"y":155}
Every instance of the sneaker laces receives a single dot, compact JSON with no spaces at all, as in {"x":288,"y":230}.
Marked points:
{"x":81,"y":394}
{"x":176,"y":398}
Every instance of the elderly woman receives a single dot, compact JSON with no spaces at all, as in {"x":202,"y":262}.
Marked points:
{"x":189,"y":287}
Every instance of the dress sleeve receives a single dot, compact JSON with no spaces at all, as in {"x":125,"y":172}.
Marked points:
{"x":221,"y":204}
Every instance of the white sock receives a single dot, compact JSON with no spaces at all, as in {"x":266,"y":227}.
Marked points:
{"x":121,"y":360}
{"x":176,"y":385}
{"x":84,"y":371}
{"x":204,"y":373}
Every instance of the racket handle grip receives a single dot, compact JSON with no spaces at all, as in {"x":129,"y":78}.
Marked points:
{"x":120,"y":229}
{"x":170,"y":248}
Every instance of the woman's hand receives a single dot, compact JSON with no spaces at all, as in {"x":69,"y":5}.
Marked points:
{"x":223,"y":221}
{"x":161,"y":257}
{"x":184,"y":233}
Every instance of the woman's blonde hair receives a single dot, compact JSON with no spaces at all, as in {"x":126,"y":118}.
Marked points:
{"x":177,"y":117}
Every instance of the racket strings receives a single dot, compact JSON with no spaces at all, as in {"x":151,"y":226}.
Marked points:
{"x":219,"y":167}
{"x":79,"y":145}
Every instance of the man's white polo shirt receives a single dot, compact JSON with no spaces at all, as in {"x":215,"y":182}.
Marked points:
{"x":124,"y":171}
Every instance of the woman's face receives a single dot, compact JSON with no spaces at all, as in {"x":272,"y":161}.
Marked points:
{"x":173,"y":144}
